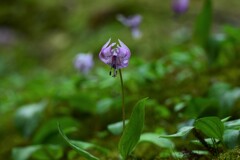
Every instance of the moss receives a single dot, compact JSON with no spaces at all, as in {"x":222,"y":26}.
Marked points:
{"x":230,"y":155}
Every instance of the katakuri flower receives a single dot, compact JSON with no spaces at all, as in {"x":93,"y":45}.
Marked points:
{"x":83,"y":62}
{"x":180,"y":6}
{"x":133,"y":23}
{"x":115,"y":56}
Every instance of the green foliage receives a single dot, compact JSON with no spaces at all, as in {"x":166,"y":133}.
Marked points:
{"x":212,"y":127}
{"x":132,"y":132}
{"x":38,"y":152}
{"x":182,"y":132}
{"x":116,"y":128}
{"x":231,"y":138}
{"x":154,"y":138}
{"x":199,"y":106}
{"x":225,"y":96}
{"x":232,"y":134}
{"x":231,"y":154}
{"x":217,"y":130}
{"x":47,"y":133}
{"x":187,"y":64}
{"x":27,"y":117}
{"x":204,"y":23}
{"x":78,"y":148}
{"x":233,"y":33}
{"x":234,"y":124}
{"x":24,"y":153}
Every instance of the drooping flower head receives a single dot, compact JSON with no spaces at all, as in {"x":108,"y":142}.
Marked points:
{"x":115,"y":56}
{"x":83,"y":62}
{"x":133,"y":23}
{"x":180,"y":6}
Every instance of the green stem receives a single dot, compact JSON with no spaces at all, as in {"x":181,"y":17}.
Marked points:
{"x":123,"y":101}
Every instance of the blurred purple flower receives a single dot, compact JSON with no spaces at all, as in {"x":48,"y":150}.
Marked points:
{"x":83,"y":62}
{"x":133,"y":23}
{"x":7,"y":36}
{"x":180,"y":6}
{"x":116,"y":57}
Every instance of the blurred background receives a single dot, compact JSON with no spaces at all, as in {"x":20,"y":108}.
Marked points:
{"x":186,"y":63}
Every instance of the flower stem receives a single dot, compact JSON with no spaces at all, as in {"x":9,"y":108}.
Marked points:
{"x":123,"y":101}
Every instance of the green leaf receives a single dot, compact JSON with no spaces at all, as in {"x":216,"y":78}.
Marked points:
{"x":231,"y":138}
{"x":230,"y":97}
{"x":182,"y":132}
{"x":27,"y":117}
{"x":234,"y":124}
{"x":225,"y":119}
{"x":203,"y":23}
{"x":200,"y":152}
{"x":23,"y":153}
{"x":208,"y":140}
{"x":116,"y":128}
{"x":104,"y":105}
{"x":211,"y":126}
{"x":81,"y":151}
{"x":46,"y":152}
{"x":233,"y":33}
{"x":200,"y":106}
{"x":154,"y":138}
{"x":48,"y":132}
{"x":132,"y":132}
{"x":177,"y":155}
{"x":86,"y":145}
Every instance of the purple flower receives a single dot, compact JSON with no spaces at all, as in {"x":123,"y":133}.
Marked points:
{"x":133,"y":23}
{"x":83,"y":62}
{"x":180,"y":6}
{"x":7,"y":36}
{"x":116,"y":57}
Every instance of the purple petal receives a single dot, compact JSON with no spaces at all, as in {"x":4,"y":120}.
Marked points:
{"x":123,"y":55}
{"x":136,"y":20}
{"x":116,"y":57}
{"x":106,"y":44}
{"x":83,"y":62}
{"x":180,"y":6}
{"x":105,"y":54}
{"x":136,"y":33}
{"x":124,"y":50}
{"x":131,"y":21}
